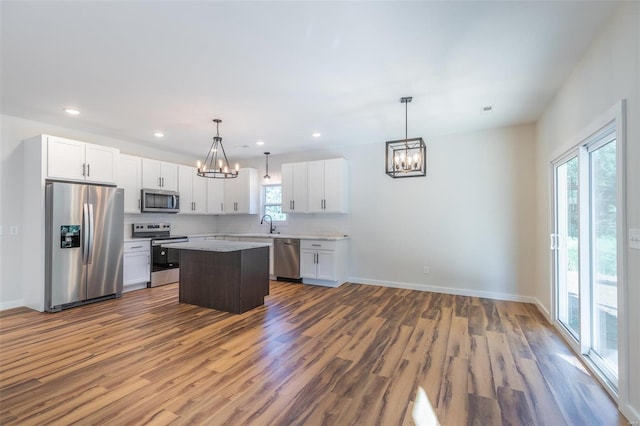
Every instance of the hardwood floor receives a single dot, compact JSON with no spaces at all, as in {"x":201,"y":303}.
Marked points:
{"x":311,"y":355}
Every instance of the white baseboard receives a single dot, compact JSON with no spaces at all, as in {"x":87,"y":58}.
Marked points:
{"x":445,"y":290}
{"x":11,"y":304}
{"x":543,"y":310}
{"x":322,"y":283}
{"x":631,"y":414}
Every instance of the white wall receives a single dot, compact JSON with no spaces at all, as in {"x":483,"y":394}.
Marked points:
{"x":471,"y":220}
{"x":608,"y":72}
{"x":12,"y":132}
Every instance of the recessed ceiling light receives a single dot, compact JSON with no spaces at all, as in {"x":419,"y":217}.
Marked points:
{"x":260,"y":143}
{"x":316,"y":134}
{"x":158,"y":134}
{"x":71,"y":111}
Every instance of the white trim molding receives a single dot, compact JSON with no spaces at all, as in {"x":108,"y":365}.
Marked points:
{"x":11,"y":304}
{"x":445,"y":290}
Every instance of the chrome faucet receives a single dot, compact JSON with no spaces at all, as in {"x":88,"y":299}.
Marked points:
{"x":271,"y":227}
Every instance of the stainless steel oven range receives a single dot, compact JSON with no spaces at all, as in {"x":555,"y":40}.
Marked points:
{"x":165,"y":262}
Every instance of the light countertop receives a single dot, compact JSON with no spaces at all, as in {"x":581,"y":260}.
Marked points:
{"x":323,"y":237}
{"x":265,"y":235}
{"x":216,"y":245}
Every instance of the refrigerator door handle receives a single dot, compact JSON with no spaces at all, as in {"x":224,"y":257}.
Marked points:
{"x":85,"y":233}
{"x":91,"y":230}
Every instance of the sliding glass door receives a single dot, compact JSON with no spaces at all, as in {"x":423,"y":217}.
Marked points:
{"x":565,"y":243}
{"x":584,"y":244}
{"x":603,"y":256}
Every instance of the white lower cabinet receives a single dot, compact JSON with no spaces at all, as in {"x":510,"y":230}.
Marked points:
{"x":137,"y":265}
{"x":323,"y":262}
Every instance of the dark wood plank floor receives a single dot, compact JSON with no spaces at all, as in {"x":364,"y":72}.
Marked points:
{"x":311,"y":355}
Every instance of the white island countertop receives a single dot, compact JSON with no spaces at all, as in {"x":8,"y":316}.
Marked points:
{"x":216,"y":245}
{"x":330,"y":237}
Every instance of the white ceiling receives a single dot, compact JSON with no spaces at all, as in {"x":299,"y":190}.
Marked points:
{"x":278,"y":71}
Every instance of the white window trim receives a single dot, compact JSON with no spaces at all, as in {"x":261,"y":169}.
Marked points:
{"x":617,"y":115}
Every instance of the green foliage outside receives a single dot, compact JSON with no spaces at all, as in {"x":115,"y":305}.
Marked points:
{"x":603,"y":197}
{"x":273,"y":202}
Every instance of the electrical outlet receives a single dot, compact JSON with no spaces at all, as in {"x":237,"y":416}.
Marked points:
{"x":425,"y":270}
{"x":13,"y":230}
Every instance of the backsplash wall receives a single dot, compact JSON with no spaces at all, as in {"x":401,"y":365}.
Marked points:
{"x":180,"y":224}
{"x":301,"y":224}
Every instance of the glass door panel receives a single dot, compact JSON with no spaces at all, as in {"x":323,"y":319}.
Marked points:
{"x":604,"y":280}
{"x":565,"y":243}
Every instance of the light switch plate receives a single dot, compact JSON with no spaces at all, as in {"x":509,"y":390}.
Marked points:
{"x":634,"y":239}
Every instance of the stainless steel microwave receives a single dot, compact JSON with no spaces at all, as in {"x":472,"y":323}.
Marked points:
{"x":160,"y":201}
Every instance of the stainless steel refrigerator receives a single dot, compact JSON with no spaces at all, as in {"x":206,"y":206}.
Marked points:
{"x":84,"y":242}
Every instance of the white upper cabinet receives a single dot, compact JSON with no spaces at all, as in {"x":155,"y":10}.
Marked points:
{"x":130,"y":179}
{"x":327,"y":186}
{"x":199,"y":196}
{"x":241,"y":194}
{"x":215,"y":196}
{"x":73,"y":160}
{"x":294,"y":188}
{"x":193,"y":191}
{"x":159,"y":175}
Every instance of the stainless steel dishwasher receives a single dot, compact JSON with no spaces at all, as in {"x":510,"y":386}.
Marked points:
{"x":286,"y":257}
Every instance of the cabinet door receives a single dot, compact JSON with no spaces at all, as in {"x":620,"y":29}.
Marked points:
{"x":102,"y":163}
{"x":315,"y":185}
{"x":136,"y":268}
{"x":65,"y":159}
{"x":242,"y":192}
{"x":287,"y":187}
{"x":169,"y":174}
{"x":326,"y":266}
{"x":215,"y":196}
{"x":294,"y":188}
{"x":247,"y":191}
{"x":185,"y":189}
{"x":308,"y":263}
{"x":230,"y":194}
{"x":300,"y":187}
{"x":130,"y":179}
{"x":199,"y":192}
{"x":333,"y":171}
{"x":150,"y":174}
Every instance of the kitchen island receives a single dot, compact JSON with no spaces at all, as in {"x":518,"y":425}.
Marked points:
{"x":230,"y":276}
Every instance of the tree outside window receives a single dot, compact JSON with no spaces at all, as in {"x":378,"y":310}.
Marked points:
{"x":272,"y":202}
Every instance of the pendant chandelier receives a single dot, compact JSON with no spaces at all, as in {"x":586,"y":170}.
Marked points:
{"x":406,"y":157}
{"x":266,"y":177}
{"x":216,"y":164}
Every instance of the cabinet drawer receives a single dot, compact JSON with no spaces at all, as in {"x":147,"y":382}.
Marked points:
{"x":318,"y":244}
{"x":136,"y":246}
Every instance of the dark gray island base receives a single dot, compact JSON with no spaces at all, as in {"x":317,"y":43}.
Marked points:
{"x":223,"y":275}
